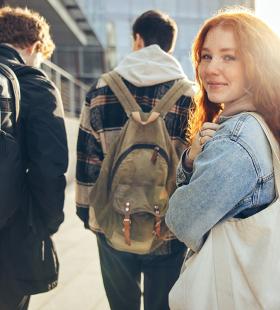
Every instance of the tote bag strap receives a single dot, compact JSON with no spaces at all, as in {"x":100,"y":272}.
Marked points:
{"x":274,"y":147}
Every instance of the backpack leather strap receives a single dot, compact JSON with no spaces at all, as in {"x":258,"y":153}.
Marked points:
{"x":120,"y":90}
{"x":127,"y":224}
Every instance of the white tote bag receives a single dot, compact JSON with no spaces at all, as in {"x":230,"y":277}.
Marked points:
{"x":238,"y":267}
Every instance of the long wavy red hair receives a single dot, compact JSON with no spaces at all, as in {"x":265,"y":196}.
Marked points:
{"x":259,"y":49}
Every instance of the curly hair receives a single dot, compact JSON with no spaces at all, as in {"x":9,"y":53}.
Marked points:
{"x":23,"y":27}
{"x":258,"y":46}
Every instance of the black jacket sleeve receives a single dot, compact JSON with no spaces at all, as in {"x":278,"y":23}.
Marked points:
{"x":44,"y":147}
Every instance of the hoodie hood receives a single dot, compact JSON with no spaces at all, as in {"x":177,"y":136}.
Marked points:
{"x":150,"y":66}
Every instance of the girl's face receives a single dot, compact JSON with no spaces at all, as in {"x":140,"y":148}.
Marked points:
{"x":221,"y":69}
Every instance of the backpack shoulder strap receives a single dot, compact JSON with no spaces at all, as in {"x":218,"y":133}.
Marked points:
{"x":9,"y":73}
{"x":170,"y":98}
{"x":120,"y":90}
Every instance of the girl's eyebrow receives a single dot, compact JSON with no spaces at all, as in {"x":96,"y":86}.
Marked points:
{"x":225,"y":49}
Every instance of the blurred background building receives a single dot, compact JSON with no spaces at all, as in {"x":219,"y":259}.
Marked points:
{"x":92,"y":36}
{"x":112,"y":21}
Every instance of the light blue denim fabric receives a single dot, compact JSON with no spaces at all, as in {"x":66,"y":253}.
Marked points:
{"x":232,"y":177}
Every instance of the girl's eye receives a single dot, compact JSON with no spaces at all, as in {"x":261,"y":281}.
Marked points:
{"x":206,"y":57}
{"x":229,"y":58}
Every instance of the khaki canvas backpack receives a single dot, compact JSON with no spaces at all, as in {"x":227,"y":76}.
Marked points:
{"x":130,"y":198}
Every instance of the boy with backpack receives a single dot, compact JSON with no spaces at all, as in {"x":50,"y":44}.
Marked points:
{"x":33,"y":160}
{"x":130,"y":140}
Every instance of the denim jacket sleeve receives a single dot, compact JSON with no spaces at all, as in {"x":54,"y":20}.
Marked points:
{"x":215,"y":188}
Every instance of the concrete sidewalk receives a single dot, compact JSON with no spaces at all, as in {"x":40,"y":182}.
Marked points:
{"x":80,"y":284}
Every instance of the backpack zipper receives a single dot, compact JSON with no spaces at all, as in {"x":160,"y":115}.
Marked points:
{"x":3,"y":142}
{"x":43,"y":250}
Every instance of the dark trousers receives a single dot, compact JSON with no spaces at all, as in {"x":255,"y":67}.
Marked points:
{"x":121,"y":272}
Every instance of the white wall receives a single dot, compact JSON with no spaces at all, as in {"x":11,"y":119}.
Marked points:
{"x":269,"y":10}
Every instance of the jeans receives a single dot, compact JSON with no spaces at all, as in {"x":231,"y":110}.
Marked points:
{"x":121,"y":272}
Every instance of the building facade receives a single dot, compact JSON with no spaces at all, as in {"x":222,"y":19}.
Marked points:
{"x":112,"y":21}
{"x":92,"y":36}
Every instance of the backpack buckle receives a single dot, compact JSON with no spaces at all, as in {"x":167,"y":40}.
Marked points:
{"x":157,"y":221}
{"x":126,"y":224}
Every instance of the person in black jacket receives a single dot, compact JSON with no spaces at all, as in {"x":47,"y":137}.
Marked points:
{"x":28,"y":262}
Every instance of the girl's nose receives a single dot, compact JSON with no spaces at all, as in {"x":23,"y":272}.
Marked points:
{"x":214,"y":66}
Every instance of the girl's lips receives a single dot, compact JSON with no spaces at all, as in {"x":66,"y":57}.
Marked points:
{"x":216,"y":85}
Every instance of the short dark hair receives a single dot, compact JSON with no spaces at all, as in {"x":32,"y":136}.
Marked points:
{"x":156,"y":27}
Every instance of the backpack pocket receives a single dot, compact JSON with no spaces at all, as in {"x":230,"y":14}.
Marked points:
{"x":139,"y":198}
{"x":139,"y":179}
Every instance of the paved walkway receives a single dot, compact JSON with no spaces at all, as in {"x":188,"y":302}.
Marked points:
{"x":80,"y":284}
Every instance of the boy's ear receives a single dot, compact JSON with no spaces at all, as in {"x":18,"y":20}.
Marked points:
{"x":32,"y":48}
{"x":138,"y":42}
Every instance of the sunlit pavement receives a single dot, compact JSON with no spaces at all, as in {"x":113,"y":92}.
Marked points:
{"x":80,"y":285}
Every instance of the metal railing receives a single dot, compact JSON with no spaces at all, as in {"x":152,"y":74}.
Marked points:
{"x":72,"y":90}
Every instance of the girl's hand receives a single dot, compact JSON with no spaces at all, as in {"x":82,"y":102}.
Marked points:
{"x":206,"y":133}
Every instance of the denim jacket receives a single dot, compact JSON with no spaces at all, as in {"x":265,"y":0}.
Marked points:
{"x":231,"y":177}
